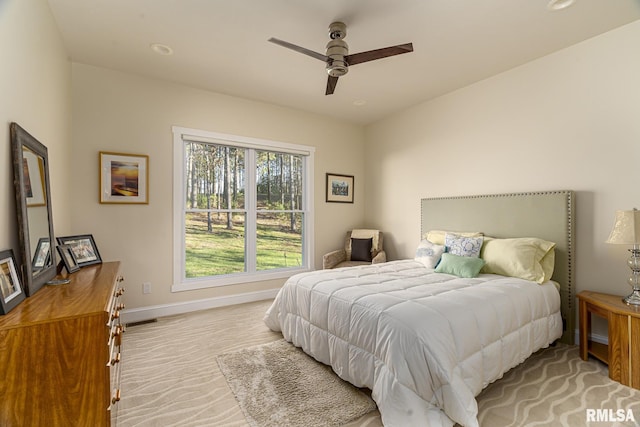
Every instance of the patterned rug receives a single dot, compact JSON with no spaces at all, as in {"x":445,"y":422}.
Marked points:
{"x":276,"y":384}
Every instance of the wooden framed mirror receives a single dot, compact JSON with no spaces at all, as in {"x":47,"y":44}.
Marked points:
{"x":33,"y":204}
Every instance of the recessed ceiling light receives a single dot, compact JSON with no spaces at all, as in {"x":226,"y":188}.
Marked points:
{"x":559,"y":4}
{"x":359,"y":102}
{"x":161,"y":49}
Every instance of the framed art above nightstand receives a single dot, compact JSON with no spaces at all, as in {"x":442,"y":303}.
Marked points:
{"x":622,"y":354}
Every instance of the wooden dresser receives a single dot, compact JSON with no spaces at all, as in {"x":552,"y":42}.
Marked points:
{"x":60,"y":352}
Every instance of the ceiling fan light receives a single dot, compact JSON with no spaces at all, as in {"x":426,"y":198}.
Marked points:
{"x":337,"y":68}
{"x":559,"y":4}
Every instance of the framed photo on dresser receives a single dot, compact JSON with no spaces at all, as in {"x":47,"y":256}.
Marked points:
{"x":43,"y":253}
{"x":84,"y":248}
{"x":11,"y":292}
{"x":68,"y":258}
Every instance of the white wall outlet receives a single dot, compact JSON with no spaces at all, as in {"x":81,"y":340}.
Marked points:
{"x":146,"y":288}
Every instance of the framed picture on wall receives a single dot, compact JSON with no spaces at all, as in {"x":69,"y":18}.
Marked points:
{"x":124,"y":178}
{"x":11,"y":292}
{"x":84,"y":249}
{"x":339,"y":188}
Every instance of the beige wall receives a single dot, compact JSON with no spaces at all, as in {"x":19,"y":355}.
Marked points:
{"x":566,"y":121}
{"x":120,"y":112}
{"x":35,"y":87}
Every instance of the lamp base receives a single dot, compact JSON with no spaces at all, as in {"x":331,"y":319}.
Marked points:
{"x":633,"y":298}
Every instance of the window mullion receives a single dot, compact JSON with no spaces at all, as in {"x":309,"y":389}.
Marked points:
{"x":251,"y":204}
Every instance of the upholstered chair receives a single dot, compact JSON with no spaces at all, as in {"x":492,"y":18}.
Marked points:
{"x":361,"y":247}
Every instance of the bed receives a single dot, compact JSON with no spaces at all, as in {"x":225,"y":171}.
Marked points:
{"x":425,"y":341}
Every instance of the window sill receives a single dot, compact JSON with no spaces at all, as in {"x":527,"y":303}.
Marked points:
{"x":234,"y":279}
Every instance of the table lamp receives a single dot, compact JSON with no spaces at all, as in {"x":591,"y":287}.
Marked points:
{"x":626,"y":231}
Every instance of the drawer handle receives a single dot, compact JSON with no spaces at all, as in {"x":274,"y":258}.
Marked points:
{"x":119,"y":330}
{"x":115,"y":315}
{"x":120,"y":278}
{"x":120,"y":306}
{"x":116,"y":397}
{"x":116,"y":360}
{"x":119,"y":292}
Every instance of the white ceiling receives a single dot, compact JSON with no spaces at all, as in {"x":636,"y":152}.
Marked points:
{"x":222,"y":45}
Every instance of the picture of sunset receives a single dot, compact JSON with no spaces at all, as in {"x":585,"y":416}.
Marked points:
{"x":124,"y":179}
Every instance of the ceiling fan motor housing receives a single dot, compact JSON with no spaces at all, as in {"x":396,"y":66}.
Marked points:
{"x":337,"y":49}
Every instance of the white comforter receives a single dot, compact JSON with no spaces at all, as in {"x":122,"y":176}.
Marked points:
{"x":425,"y":343}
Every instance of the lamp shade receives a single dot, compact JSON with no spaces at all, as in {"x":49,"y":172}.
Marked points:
{"x":626,"y":229}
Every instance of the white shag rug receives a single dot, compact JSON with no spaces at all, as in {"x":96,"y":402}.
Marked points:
{"x":276,"y":384}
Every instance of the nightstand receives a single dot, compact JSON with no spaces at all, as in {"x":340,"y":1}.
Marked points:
{"x":622,"y":354}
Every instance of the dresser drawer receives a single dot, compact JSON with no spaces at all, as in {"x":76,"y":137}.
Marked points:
{"x":116,"y":305}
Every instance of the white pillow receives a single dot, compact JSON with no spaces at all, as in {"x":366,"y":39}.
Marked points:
{"x":429,"y":253}
{"x":462,"y":245}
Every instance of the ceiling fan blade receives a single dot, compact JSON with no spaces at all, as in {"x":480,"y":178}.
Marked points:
{"x":331,"y":85}
{"x":370,"y":55}
{"x":300,"y":49}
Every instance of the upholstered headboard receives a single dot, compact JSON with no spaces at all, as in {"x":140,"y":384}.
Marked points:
{"x":548,"y":215}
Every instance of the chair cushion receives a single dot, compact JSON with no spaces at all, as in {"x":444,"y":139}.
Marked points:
{"x":361,"y":249}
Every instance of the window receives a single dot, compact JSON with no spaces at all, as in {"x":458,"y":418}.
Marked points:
{"x":242,"y":209}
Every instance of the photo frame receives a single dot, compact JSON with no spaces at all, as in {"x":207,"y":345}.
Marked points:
{"x":339,"y":188}
{"x":68,"y":258}
{"x":42,"y":255}
{"x":124,"y":178}
{"x":84,"y":249}
{"x":11,"y":291}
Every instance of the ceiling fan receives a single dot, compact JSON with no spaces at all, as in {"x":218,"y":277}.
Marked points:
{"x":337,"y":55}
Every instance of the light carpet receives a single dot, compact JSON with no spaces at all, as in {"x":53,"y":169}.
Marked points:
{"x":276,"y":384}
{"x":170,"y":377}
{"x":555,"y":387}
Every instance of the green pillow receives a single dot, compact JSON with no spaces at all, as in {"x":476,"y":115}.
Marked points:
{"x":461,"y":266}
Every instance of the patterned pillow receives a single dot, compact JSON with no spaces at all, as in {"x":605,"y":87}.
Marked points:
{"x":429,"y":253}
{"x":463,"y":245}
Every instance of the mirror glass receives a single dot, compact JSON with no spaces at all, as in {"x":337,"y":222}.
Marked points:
{"x":33,"y":205}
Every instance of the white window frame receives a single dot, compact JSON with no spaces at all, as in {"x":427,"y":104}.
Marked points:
{"x":180,"y":282}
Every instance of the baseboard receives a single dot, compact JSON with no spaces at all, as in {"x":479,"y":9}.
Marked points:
{"x":154,"y":311}
{"x":602,"y":339}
